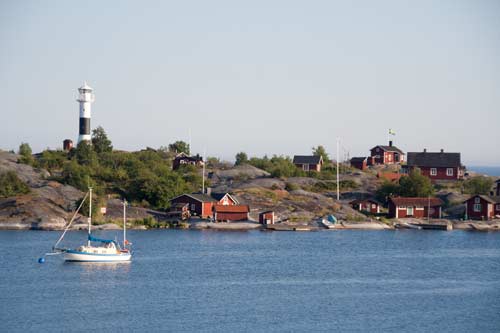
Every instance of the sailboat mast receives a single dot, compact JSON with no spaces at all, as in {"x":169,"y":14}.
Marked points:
{"x":90,"y":214}
{"x":124,"y":223}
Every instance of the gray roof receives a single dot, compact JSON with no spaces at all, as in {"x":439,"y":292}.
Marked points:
{"x":425,"y":159}
{"x":307,"y":159}
{"x":489,"y":198}
{"x":214,"y":197}
{"x":389,"y":148}
{"x":219,"y":195}
{"x":198,"y":197}
{"x":358,"y":159}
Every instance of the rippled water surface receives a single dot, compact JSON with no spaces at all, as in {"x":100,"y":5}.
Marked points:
{"x":391,"y":281}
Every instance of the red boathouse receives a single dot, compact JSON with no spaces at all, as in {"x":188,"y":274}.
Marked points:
{"x":400,"y":207}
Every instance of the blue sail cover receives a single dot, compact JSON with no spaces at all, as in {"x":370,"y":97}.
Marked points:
{"x":93,"y":239}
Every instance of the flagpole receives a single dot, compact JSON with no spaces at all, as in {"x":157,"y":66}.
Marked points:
{"x":338,"y":185}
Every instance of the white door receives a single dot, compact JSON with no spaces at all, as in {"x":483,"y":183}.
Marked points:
{"x":409,"y":211}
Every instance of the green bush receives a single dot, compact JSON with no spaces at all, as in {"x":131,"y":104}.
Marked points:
{"x":292,"y":187}
{"x":11,"y":185}
{"x":478,"y":185}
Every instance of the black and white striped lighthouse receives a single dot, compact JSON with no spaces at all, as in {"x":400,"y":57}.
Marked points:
{"x":85,"y":98}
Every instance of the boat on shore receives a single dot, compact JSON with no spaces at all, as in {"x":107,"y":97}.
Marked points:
{"x":97,"y":249}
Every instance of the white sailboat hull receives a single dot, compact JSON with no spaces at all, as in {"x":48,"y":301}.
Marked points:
{"x":91,"y":257}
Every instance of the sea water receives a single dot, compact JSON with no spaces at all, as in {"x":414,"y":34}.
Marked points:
{"x":212,"y":281}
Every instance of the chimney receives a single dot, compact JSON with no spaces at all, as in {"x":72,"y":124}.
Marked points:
{"x":208,"y":190}
{"x":442,"y":150}
{"x":390,"y":143}
{"x":425,"y":150}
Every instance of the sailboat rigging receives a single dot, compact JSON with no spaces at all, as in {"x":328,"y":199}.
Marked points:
{"x":106,"y":250}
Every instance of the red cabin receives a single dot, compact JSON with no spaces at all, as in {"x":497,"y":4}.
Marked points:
{"x":183,"y":159}
{"x":386,"y":155}
{"x":231,"y":212}
{"x":202,"y":204}
{"x":482,"y":207}
{"x":366,"y":205}
{"x":436,"y":166}
{"x":308,"y":163}
{"x":400,"y":207}
{"x":360,"y":163}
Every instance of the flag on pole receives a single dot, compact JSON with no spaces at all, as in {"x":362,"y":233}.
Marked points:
{"x":391,"y":132}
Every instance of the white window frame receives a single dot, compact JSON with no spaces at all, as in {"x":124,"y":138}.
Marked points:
{"x":433,"y":172}
{"x":305,"y":167}
{"x":477,"y":200}
{"x":408,"y":209}
{"x":449,"y":171}
{"x":193,"y":207}
{"x":477,"y":208}
{"x":498,"y":206}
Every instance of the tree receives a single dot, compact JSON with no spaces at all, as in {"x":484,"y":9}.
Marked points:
{"x":386,"y":190}
{"x":241,"y":158}
{"x":415,"y":185}
{"x":180,"y":147}
{"x":478,"y":185}
{"x":321,"y":151}
{"x":25,"y":152}
{"x":85,"y":154}
{"x":100,"y":141}
{"x":25,"y":149}
{"x":11,"y":185}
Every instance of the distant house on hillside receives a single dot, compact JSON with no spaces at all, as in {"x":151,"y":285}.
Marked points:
{"x":436,"y":166}
{"x":360,"y":163}
{"x":482,"y":207}
{"x":386,"y":154}
{"x":202,"y":204}
{"x":184,"y":159}
{"x":308,"y":162}
{"x":400,"y":207}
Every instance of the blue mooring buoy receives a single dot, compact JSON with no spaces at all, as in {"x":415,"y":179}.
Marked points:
{"x":41,"y":260}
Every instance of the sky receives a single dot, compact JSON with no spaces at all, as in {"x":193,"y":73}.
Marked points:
{"x":263,"y":77}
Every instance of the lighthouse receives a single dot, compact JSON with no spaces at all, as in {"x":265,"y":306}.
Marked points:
{"x":85,"y":99}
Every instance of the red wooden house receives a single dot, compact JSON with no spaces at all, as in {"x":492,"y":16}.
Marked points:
{"x":436,"y":166}
{"x":386,"y":155}
{"x":366,"y":205}
{"x":482,"y":207}
{"x":308,"y":163}
{"x":231,"y":212}
{"x":202,"y":204}
{"x":360,"y":163}
{"x":183,"y":159}
{"x":400,"y":207}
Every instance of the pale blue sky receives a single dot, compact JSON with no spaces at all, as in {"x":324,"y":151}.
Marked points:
{"x":275,"y":77}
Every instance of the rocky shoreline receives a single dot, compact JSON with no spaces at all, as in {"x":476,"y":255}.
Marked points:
{"x":253,"y":225}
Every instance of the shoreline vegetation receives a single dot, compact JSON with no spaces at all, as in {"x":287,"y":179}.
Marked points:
{"x":40,"y":191}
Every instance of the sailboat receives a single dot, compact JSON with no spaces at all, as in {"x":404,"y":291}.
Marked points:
{"x":97,"y":249}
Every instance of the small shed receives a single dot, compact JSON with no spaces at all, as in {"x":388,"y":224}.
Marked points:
{"x":366,"y":205}
{"x":308,"y":162}
{"x":360,"y":163}
{"x":231,"y":212}
{"x":67,"y":145}
{"x":267,"y":217}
